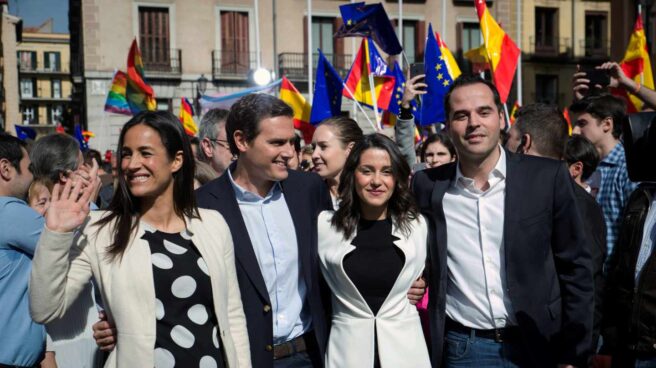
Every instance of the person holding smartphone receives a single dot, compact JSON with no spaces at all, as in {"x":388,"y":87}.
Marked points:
{"x":584,"y":82}
{"x":404,"y":129}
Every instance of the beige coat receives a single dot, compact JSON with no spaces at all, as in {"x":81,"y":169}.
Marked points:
{"x":397,"y":326}
{"x":65,"y":262}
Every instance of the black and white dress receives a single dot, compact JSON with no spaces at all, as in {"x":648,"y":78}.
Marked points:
{"x":187,"y":328}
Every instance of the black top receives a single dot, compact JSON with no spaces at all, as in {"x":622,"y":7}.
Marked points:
{"x":187,"y":328}
{"x":376,"y":262}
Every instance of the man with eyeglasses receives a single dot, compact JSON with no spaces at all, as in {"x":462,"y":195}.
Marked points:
{"x":214,"y":148}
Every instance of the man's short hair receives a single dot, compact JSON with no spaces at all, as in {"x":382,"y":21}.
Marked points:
{"x":53,"y":155}
{"x":467,"y":80}
{"x":11,"y":149}
{"x":209,"y":126}
{"x":247,"y":113}
{"x":547,"y":127}
{"x":579,"y":149}
{"x":601,"y":107}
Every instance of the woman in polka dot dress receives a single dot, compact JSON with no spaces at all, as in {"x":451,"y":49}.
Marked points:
{"x":165,"y":269}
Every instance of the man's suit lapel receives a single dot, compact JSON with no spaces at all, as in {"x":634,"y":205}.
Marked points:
{"x":300,"y":217}
{"x":227,"y":205}
{"x":437,"y":195}
{"x":511,"y":201}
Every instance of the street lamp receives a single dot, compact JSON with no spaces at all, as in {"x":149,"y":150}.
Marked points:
{"x":201,"y":87}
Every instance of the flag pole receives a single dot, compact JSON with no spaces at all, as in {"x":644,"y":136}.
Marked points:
{"x":354,"y":108}
{"x":309,"y":47}
{"x":519,"y":45}
{"x":505,"y":110}
{"x":357,"y":104}
{"x":642,"y":75}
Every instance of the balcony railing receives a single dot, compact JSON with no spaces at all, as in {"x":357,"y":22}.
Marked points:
{"x":594,"y":48}
{"x":555,"y":48}
{"x":167,"y":62}
{"x":29,"y":67}
{"x":232,"y":64}
{"x":294,"y":65}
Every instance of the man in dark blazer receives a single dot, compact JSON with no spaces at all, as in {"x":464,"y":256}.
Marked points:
{"x":279,"y":285}
{"x":510,"y":279}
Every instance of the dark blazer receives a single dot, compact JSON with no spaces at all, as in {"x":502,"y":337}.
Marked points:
{"x":595,"y":231}
{"x":549,"y":279}
{"x":306,"y":196}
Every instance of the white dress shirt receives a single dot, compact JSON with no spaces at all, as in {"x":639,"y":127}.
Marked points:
{"x":475,"y":294}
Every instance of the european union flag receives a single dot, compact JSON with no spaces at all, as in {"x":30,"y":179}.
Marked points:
{"x":438,"y":81}
{"x":84,"y":146}
{"x":397,"y":96}
{"x":371,"y":20}
{"x":327,"y":99}
{"x":24,"y":133}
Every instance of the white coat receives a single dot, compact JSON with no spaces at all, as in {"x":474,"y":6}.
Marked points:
{"x":64,"y":263}
{"x":400,"y":338}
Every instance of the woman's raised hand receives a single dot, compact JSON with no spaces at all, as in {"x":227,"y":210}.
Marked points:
{"x":69,"y":205}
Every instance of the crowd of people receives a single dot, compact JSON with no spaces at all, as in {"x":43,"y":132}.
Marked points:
{"x":488,"y":245}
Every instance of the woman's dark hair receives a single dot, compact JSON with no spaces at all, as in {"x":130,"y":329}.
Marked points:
{"x":401,"y":206}
{"x":437,"y":137}
{"x":124,"y":207}
{"x":579,"y":149}
{"x":346,"y":129}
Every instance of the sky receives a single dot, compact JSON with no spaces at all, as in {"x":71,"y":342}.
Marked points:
{"x":35,"y":12}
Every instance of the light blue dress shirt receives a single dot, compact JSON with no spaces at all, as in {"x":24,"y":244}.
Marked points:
{"x":648,"y":239}
{"x":272,"y":233}
{"x":22,"y":341}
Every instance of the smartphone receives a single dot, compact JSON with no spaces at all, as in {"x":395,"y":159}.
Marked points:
{"x":416,"y":69}
{"x":597,"y":77}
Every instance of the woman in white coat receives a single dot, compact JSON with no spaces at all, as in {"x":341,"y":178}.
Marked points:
{"x":165,"y":269}
{"x":371,"y":250}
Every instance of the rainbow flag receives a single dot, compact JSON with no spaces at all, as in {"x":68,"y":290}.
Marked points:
{"x":292,"y":97}
{"x":187,"y":117}
{"x":116,"y":101}
{"x":636,"y":65}
{"x":501,"y":50}
{"x":139,"y":94}
{"x":367,"y":61}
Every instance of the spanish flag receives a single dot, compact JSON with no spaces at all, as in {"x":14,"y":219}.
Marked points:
{"x":292,"y":97}
{"x":186,"y":117}
{"x":637,"y":64}
{"x":369,"y":61}
{"x":513,"y":113}
{"x":451,"y":64}
{"x":140,"y":95}
{"x":501,"y":50}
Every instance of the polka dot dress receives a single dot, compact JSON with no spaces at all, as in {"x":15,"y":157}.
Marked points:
{"x":187,"y":333}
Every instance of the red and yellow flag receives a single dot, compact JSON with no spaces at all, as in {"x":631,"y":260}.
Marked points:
{"x":450,"y":61}
{"x":513,"y":112}
{"x":501,"y":50}
{"x":187,"y":117}
{"x":368,"y":61}
{"x":637,"y":64}
{"x":292,"y":97}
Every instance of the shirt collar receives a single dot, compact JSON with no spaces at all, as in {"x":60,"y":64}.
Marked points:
{"x":497,"y":174}
{"x":244,"y":195}
{"x":616,"y":155}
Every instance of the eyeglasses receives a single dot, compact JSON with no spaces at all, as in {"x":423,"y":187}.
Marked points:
{"x":221,"y":142}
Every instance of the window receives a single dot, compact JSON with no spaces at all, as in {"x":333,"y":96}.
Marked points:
{"x":235,"y":52}
{"x":27,"y":87}
{"x":52,"y":61}
{"x":596,"y":28}
{"x":56,"y":112}
{"x":546,"y":88}
{"x":27,"y":60}
{"x":164,"y":104}
{"x":29,"y":115}
{"x":546,"y":29}
{"x":323,"y":29}
{"x":154,"y":37}
{"x":56,"y":88}
{"x":469,"y":37}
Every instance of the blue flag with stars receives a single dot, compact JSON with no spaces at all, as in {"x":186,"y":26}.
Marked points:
{"x":24,"y":133}
{"x":438,"y":81}
{"x":397,"y":96}
{"x":369,"y":20}
{"x":80,"y":138}
{"x":327,"y":99}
